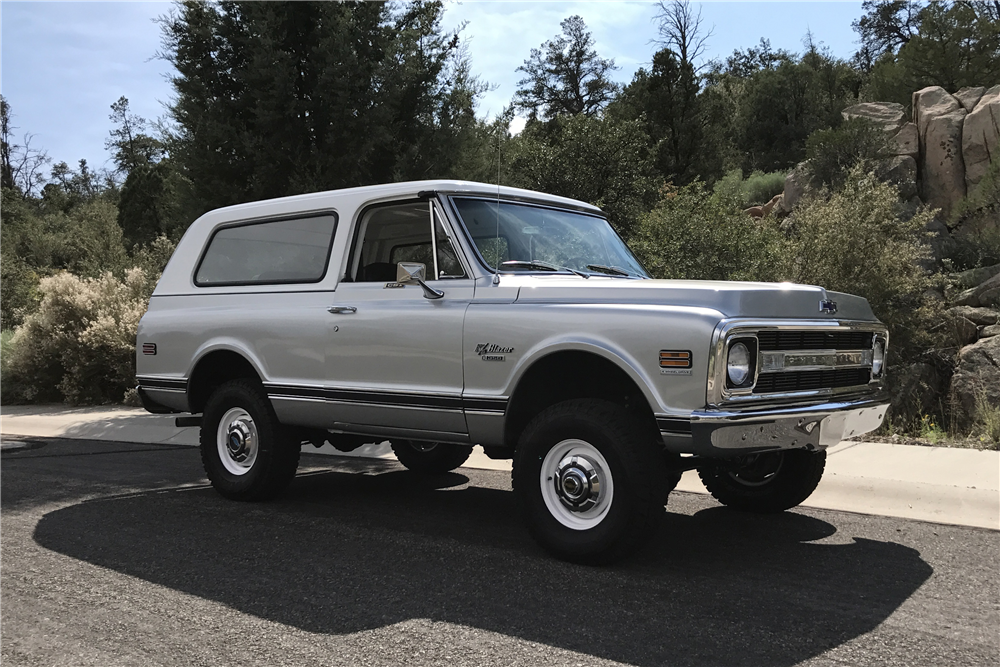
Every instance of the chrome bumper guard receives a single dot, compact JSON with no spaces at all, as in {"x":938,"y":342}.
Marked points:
{"x":721,"y":433}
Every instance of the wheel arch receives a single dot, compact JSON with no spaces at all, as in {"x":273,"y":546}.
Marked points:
{"x":217,"y":364}
{"x":575,"y":370}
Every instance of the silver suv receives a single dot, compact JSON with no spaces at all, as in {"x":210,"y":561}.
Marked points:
{"x":439,"y":315}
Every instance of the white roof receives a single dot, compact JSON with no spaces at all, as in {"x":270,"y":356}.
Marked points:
{"x":177,"y":277}
{"x":390,"y":190}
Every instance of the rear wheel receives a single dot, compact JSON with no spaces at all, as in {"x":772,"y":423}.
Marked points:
{"x":246,"y":452}
{"x":430,"y":458}
{"x":589,"y":480}
{"x":766,"y":482}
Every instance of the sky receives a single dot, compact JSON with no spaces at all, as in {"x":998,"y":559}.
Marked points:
{"x":62,"y":64}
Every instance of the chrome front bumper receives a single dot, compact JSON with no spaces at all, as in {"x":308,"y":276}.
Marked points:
{"x":721,"y":433}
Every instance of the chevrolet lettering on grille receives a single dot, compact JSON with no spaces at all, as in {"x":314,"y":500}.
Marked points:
{"x":772,"y":362}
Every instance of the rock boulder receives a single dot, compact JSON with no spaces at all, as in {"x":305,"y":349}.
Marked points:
{"x":939,"y":118}
{"x":890,"y":116}
{"x":969,"y":97}
{"x":962,"y":331}
{"x":977,"y":375}
{"x":986,"y":295}
{"x":981,"y":137}
{"x":976,"y":277}
{"x":907,"y":141}
{"x":980,"y":316}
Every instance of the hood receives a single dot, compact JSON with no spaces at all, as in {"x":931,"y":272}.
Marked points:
{"x":732,"y":299}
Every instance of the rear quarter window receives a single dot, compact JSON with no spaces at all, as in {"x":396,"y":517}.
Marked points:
{"x":268,"y":253}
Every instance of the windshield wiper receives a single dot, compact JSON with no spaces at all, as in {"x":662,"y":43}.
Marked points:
{"x":544,"y":266}
{"x":613,"y":270}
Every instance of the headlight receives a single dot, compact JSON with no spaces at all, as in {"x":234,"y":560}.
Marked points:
{"x":738,"y":365}
{"x":878,"y":357}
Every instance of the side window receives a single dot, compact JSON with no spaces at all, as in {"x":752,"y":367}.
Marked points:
{"x":261,"y":253}
{"x":402,"y":233}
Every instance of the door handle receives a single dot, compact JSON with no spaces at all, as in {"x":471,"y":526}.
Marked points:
{"x":337,"y":310}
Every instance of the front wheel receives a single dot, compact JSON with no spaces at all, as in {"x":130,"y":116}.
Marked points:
{"x":246,"y":452}
{"x":430,"y":458}
{"x":767,"y":482}
{"x":590,"y":481}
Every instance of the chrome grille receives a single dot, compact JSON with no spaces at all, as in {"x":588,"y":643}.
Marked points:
{"x":769,"y":383}
{"x":814,"y":340}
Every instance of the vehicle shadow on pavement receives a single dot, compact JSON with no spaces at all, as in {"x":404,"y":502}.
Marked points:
{"x":343,"y":552}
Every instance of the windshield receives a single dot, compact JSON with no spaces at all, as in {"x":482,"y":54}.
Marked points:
{"x":529,"y":237}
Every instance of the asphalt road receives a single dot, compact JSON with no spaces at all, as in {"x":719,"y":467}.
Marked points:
{"x":120,"y":554}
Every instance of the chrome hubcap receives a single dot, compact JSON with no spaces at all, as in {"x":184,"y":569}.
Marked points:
{"x":576,"y":483}
{"x":237,"y":440}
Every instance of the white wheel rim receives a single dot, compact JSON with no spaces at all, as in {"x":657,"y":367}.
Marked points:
{"x":577,"y":485}
{"x":237,"y":441}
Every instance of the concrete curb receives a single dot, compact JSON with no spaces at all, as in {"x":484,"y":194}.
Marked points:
{"x":936,"y":484}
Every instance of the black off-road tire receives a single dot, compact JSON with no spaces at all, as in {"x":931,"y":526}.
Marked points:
{"x":637,"y":470}
{"x":796,"y":474}
{"x":277,"y":453}
{"x":430,"y":458}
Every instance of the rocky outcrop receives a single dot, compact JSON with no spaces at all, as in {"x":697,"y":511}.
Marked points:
{"x":940,"y":155}
{"x":939,"y":119}
{"x":981,"y":137}
{"x":977,"y":371}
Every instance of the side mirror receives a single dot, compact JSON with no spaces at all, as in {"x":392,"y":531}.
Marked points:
{"x":410,"y":272}
{"x":414,"y":272}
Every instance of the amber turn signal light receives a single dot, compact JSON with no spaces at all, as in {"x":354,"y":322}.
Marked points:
{"x":675,"y":359}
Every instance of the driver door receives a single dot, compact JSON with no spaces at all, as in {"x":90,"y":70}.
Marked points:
{"x":394,"y":360}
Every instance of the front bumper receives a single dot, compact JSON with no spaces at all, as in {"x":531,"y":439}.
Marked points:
{"x":721,"y":433}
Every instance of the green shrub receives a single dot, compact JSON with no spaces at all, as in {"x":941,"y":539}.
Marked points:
{"x":79,"y":347}
{"x":758,"y":188}
{"x":18,"y":291}
{"x":856,"y":240}
{"x":833,"y":153}
{"x":692,"y":235}
{"x":6,"y":336}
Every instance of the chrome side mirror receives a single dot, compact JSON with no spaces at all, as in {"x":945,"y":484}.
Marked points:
{"x":410,"y":272}
{"x":414,"y":272}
